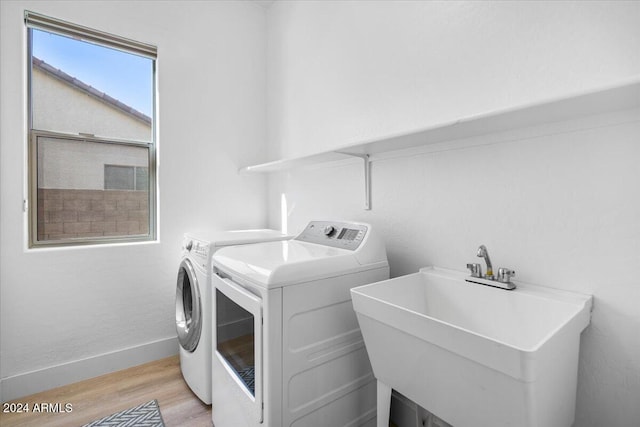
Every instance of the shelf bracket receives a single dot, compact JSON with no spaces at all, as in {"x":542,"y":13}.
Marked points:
{"x":367,"y":176}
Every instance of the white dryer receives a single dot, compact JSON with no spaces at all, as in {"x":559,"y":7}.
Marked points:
{"x":287,"y":345}
{"x":194,"y":304}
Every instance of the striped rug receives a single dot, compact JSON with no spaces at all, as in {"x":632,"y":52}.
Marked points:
{"x":145,"y":415}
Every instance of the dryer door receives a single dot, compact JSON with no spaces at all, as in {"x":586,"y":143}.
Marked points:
{"x":238,"y":346}
{"x":188,"y":307}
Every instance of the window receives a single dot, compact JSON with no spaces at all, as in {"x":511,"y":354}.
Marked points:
{"x":126,"y":177}
{"x":91,"y":135}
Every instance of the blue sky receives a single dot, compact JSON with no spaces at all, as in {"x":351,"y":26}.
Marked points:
{"x":124,"y":76}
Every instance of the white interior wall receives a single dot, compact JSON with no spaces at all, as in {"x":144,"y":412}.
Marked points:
{"x":77,"y":312}
{"x":343,"y":72}
{"x":558,"y":203}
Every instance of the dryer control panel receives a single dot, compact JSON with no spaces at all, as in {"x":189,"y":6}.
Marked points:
{"x":342,"y":235}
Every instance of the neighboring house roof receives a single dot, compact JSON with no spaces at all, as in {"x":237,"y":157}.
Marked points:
{"x":90,"y":90}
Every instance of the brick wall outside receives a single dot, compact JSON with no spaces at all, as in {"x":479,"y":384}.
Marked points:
{"x":64,"y":214}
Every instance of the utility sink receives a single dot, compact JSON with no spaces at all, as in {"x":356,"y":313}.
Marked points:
{"x":471,"y":354}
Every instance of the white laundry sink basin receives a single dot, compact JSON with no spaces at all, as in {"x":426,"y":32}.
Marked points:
{"x":472,"y":354}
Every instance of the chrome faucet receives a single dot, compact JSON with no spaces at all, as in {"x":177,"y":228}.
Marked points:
{"x":504,"y":274}
{"x":483,"y":253}
{"x":476,"y":269}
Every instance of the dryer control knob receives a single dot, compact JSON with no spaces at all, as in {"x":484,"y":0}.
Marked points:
{"x":329,"y":230}
{"x":189,"y":245}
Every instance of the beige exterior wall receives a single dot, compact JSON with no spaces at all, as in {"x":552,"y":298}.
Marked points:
{"x":79,"y":165}
{"x":72,"y":200}
{"x":53,"y":100}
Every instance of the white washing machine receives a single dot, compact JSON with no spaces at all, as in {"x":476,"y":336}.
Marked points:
{"x":287,"y":345}
{"x":194,"y":303}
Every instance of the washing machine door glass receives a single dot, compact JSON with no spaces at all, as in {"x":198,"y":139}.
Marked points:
{"x":188,"y":307}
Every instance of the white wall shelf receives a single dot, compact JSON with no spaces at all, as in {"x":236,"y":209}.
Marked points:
{"x":622,"y":96}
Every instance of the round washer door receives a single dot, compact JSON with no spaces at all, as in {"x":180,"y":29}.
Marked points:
{"x":188,"y":307}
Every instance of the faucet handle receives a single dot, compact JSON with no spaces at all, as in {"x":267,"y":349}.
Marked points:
{"x":476,"y":269}
{"x":505,"y":275}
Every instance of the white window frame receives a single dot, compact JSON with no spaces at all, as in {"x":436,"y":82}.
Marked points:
{"x":56,"y":26}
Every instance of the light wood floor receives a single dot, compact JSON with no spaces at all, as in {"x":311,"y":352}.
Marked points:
{"x":101,"y":396}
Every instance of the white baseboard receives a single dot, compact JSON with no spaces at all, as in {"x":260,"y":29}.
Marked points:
{"x":29,"y":383}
